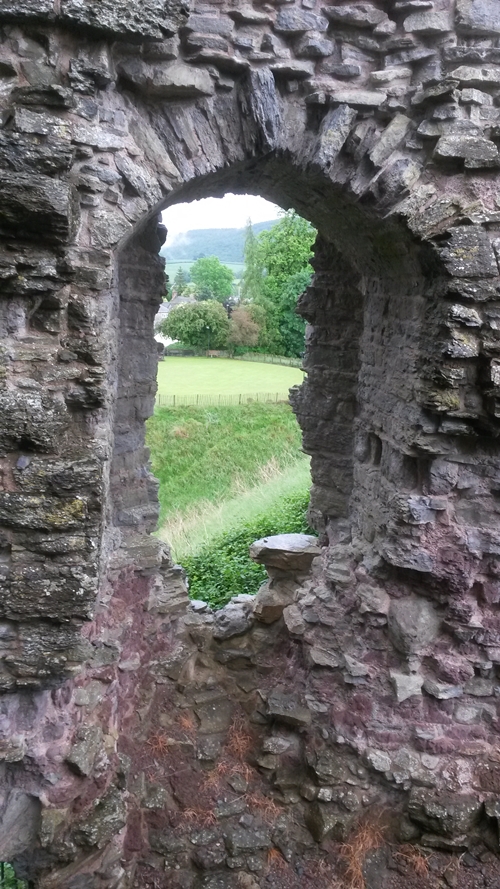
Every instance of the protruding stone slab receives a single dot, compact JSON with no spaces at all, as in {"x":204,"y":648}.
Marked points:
{"x":171,"y":81}
{"x":288,"y":709}
{"x":150,"y":18}
{"x":288,"y":552}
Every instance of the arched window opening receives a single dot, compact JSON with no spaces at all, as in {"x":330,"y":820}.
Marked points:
{"x":224,"y":443}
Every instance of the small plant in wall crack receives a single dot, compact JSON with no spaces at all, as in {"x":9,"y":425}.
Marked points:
{"x":367,"y":837}
{"x":158,"y":744}
{"x":414,"y":858}
{"x":240,"y":741}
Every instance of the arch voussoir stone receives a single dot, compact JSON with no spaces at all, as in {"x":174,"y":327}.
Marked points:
{"x":148,"y":742}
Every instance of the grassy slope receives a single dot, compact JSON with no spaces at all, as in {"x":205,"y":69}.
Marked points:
{"x":214,"y":376}
{"x":188,"y":531}
{"x":212,"y":454}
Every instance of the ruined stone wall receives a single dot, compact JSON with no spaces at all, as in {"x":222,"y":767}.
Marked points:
{"x":379,"y":122}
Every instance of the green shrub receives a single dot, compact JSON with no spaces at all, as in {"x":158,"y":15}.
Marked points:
{"x":223,"y":568}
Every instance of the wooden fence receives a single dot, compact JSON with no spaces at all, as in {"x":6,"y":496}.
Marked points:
{"x":211,"y":400}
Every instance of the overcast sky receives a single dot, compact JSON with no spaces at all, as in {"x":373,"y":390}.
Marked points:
{"x":231,"y":211}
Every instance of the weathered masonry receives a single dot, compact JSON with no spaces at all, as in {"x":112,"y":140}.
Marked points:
{"x":145,"y":744}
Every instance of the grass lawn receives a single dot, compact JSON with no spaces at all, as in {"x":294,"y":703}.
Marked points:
{"x":222,"y":376}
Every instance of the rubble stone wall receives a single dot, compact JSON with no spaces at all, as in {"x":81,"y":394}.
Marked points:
{"x":379,"y":122}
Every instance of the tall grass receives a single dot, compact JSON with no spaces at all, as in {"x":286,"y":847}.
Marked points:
{"x":208,"y":455}
{"x":191,"y":530}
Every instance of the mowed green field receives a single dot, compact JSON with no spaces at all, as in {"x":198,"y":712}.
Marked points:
{"x":185,"y":264}
{"x":223,"y":376}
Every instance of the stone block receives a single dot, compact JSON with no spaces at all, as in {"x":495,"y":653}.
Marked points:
{"x":174,"y":80}
{"x":234,"y":619}
{"x":335,"y":129}
{"x":429,"y":22}
{"x":288,"y":552}
{"x":358,"y":15}
{"x":469,"y":253}
{"x":287,"y":708}
{"x":474,"y":148}
{"x":85,"y":749}
{"x":413,"y":624}
{"x":389,"y":140}
{"x":327,"y":821}
{"x":26,"y":9}
{"x":448,"y":815}
{"x":294,"y":621}
{"x":406,"y":685}
{"x":478,"y":17}
{"x":297,"y":21}
{"x":271,"y":600}
{"x":104,"y":821}
{"x":151,"y":19}
{"x":19,"y":823}
{"x":37,"y":206}
{"x":242,"y":839}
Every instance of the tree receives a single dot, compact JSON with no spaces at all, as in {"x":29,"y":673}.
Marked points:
{"x":285,"y":249}
{"x":291,"y":325}
{"x":243,"y":328}
{"x":253,"y":272}
{"x":213,"y":280}
{"x":180,"y":281}
{"x":284,"y":252}
{"x":203,"y":325}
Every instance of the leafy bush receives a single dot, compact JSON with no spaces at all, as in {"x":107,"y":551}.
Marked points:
{"x":223,"y":568}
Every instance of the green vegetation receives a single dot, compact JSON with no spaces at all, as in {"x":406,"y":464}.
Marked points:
{"x":210,"y":454}
{"x":8,"y":879}
{"x":211,"y":376}
{"x":203,"y":325}
{"x":226,"y":243}
{"x":277,"y":271}
{"x":172,"y":267}
{"x":223,"y":568}
{"x":212,"y":279}
{"x":191,"y":529}
{"x":180,"y":281}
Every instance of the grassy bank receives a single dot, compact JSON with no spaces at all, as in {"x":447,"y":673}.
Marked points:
{"x":208,"y":455}
{"x":191,"y":530}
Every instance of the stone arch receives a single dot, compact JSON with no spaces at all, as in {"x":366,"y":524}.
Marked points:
{"x":399,"y":664}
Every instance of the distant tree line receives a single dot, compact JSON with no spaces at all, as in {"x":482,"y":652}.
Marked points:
{"x":276,"y":272}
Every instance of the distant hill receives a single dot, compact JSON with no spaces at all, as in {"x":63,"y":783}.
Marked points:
{"x":225,"y":243}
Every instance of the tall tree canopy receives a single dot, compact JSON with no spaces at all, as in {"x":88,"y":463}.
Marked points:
{"x":204,"y":325}
{"x":244,"y":328}
{"x":212,"y":279}
{"x":180,"y":281}
{"x":277,"y":271}
{"x":253,"y":272}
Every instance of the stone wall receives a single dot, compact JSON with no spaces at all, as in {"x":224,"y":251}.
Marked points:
{"x":379,"y":122}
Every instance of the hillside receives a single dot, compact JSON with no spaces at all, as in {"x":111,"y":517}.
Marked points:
{"x":225,"y":243}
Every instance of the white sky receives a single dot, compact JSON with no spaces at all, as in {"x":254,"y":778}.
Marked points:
{"x":231,"y":211}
